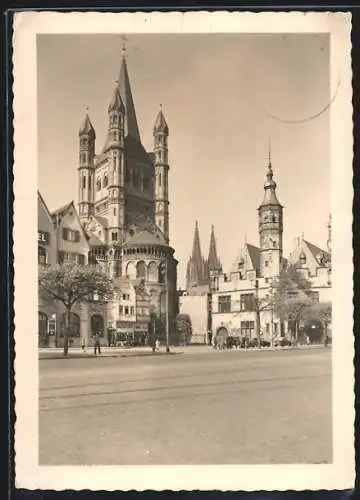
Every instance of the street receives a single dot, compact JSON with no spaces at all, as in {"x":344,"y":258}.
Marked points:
{"x":216,"y":407}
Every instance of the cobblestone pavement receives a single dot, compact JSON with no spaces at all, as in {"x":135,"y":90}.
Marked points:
{"x":210,"y":407}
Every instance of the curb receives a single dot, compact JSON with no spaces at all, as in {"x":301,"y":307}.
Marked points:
{"x":45,"y":356}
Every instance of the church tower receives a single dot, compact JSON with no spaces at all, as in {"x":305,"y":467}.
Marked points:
{"x":115,"y":181}
{"x":213,"y":263}
{"x":87,"y":138}
{"x":161,"y":133}
{"x":270,"y":228}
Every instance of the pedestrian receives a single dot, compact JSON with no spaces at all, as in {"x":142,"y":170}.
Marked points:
{"x":307,"y":339}
{"x":97,"y":348}
{"x":83,"y":344}
{"x":157,"y":345}
{"x":326,"y":341}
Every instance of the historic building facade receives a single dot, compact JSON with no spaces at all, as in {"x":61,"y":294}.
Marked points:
{"x":253,"y":273}
{"x":123,"y":214}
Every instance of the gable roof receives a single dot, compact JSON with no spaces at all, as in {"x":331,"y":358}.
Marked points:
{"x":61,"y":210}
{"x":102,"y":220}
{"x":44,"y":205}
{"x":94,"y":241}
{"x":315,"y":250}
{"x":145,"y":237}
{"x":254,"y":254}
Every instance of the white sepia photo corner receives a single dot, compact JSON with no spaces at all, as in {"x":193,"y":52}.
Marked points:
{"x":177,"y":368}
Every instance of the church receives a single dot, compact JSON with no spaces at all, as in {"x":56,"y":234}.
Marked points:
{"x":123,"y":211}
{"x":221,"y":304}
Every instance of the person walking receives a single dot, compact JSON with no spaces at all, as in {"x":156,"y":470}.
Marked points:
{"x":157,"y":345}
{"x":83,"y":344}
{"x":97,"y":347}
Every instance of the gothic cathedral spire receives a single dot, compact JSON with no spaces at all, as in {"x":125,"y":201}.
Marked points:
{"x":195,"y":274}
{"x":270,"y":227}
{"x":213,"y":262}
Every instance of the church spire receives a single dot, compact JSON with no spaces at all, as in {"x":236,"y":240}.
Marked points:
{"x":270,"y":197}
{"x":196,"y":250}
{"x":124,"y":87}
{"x":213,"y":262}
{"x":196,"y":266}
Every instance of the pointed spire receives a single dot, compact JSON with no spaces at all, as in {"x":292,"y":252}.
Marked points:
{"x":213,"y":260}
{"x":270,"y":185}
{"x":86,"y":127}
{"x":196,"y":271}
{"x":116,"y":102}
{"x":160,"y":123}
{"x":131,"y":125}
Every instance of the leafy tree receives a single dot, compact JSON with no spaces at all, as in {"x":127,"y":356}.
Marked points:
{"x":183,"y":325}
{"x":291,"y":296}
{"x":259,"y":305}
{"x":70,"y":284}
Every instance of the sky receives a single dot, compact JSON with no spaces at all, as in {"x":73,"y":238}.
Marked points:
{"x":225,"y":98}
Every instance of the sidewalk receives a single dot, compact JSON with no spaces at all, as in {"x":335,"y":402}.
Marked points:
{"x":122,"y":352}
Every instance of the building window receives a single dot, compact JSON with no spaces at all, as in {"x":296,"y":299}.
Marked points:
{"x":224,"y":304}
{"x":267,"y":328}
{"x":160,"y":180}
{"x":89,"y":182}
{"x":247,"y":328}
{"x":81,"y":259}
{"x":42,"y":255}
{"x":121,"y":310}
{"x":105,"y":180}
{"x":141,"y":270}
{"x":98,"y":184}
{"x":266,"y":263}
{"x":132,"y":310}
{"x":266,"y":280}
{"x":275,"y":328}
{"x":114,"y":211}
{"x":117,"y":269}
{"x":247,"y":302}
{"x":113,"y":236}
{"x":84,"y":182}
{"x":74,"y":330}
{"x":70,"y":235}
{"x":126,"y":310}
{"x":43,"y":324}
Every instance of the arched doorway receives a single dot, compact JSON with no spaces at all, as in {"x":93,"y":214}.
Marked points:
{"x":97,"y":324}
{"x":314,"y":328}
{"x":221,"y":335}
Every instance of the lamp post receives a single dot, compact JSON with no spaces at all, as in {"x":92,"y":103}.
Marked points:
{"x":165,"y":267}
{"x":272,"y":312}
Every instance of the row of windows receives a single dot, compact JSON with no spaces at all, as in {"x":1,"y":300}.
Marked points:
{"x":70,"y":235}
{"x":127,"y":310}
{"x":247,"y":303}
{"x":71,"y":257}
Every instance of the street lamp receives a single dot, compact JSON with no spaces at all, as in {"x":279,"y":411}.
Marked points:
{"x":165,"y":269}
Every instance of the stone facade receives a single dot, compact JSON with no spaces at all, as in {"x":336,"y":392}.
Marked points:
{"x":122,"y":223}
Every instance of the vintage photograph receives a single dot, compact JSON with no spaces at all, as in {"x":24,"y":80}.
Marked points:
{"x":185,"y":265}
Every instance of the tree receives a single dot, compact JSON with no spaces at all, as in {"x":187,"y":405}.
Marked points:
{"x":259,"y":305}
{"x":291,"y":297}
{"x":183,"y":325}
{"x":70,"y":284}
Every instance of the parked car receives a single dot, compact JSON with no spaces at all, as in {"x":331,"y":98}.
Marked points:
{"x":265,"y":343}
{"x":282,"y":342}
